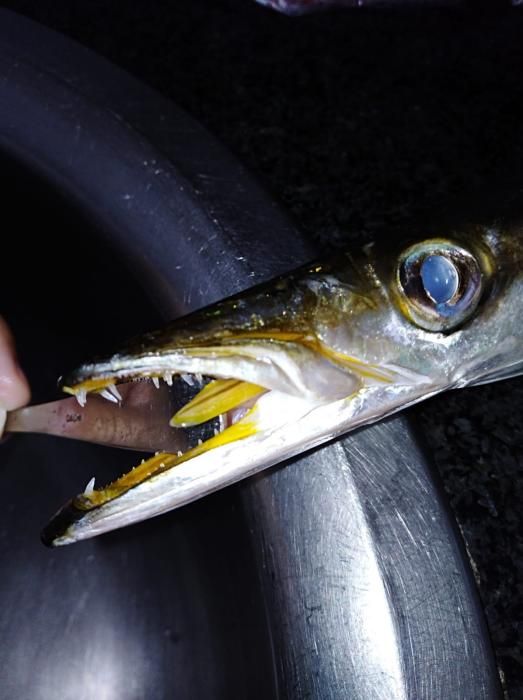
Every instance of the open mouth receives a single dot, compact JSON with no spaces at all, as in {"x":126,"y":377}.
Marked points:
{"x":242,"y":405}
{"x":222,"y":394}
{"x":239,"y":406}
{"x":210,"y":412}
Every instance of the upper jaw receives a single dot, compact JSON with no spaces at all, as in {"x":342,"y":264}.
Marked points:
{"x":290,"y":367}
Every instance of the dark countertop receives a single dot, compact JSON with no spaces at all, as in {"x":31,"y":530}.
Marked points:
{"x":359,"y":122}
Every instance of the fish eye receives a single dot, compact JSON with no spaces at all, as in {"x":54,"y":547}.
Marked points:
{"x":440,"y":284}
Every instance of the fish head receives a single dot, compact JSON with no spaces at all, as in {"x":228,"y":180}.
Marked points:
{"x":307,"y":357}
{"x":449,"y":309}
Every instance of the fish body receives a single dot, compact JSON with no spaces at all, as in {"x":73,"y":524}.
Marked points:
{"x":309,"y":356}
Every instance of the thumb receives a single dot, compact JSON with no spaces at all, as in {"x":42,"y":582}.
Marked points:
{"x":14,"y":388}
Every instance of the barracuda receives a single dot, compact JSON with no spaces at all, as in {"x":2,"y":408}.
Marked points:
{"x":308,"y":357}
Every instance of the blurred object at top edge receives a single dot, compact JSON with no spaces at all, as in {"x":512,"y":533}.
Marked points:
{"x":299,"y":7}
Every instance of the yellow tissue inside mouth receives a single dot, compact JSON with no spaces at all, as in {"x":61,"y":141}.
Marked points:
{"x":164,"y":461}
{"x":216,"y":398}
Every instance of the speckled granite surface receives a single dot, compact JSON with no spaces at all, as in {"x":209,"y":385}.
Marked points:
{"x":358,"y":122}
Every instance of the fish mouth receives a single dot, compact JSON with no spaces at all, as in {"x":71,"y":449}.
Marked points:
{"x":262,"y":399}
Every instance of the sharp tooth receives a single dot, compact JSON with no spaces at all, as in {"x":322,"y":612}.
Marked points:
{"x":81,"y":397}
{"x":107,"y":395}
{"x":179,"y":453}
{"x":199,"y":377}
{"x":114,"y":391}
{"x":88,"y":491}
{"x":200,"y":441}
{"x":187,"y":378}
{"x":156,"y":382}
{"x":216,"y":431}
{"x":168,"y":379}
